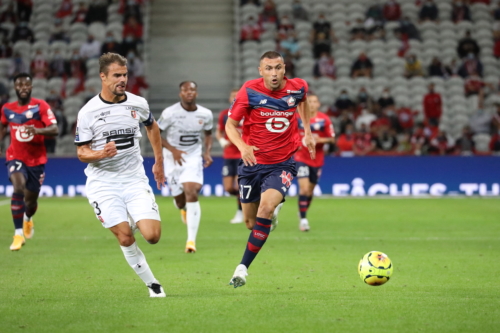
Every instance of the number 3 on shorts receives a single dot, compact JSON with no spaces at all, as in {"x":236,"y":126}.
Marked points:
{"x":248,"y":188}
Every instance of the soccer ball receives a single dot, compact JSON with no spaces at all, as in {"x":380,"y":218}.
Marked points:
{"x":375,"y":268}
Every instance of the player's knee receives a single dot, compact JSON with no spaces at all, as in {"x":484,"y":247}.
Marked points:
{"x":125,"y":239}
{"x":192,"y":196}
{"x":19,"y":188}
{"x":250,"y":223}
{"x":266,"y":210}
{"x":307,"y":193}
{"x":153,"y":237}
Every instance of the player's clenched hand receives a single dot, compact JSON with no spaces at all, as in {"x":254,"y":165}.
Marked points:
{"x":310,"y":143}
{"x":159,"y":174}
{"x":109,"y":149}
{"x":177,"y":154}
{"x":30,"y":129}
{"x":208,"y":160}
{"x":247,"y":155}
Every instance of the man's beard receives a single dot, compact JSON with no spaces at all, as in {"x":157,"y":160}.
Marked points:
{"x":23,"y":100}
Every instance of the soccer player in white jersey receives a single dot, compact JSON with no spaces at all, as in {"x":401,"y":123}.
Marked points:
{"x":107,"y":138}
{"x":183,"y":123}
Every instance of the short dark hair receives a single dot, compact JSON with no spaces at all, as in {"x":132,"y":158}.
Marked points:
{"x":20,"y":75}
{"x":110,"y":58}
{"x":271,"y":55}
{"x":183,"y":82}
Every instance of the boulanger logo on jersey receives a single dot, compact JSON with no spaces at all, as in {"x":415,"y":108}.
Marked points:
{"x":22,"y":135}
{"x":277,"y":125}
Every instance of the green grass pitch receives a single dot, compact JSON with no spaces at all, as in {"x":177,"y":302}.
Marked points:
{"x":72,"y":277}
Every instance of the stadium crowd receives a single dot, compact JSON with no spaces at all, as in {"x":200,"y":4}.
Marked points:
{"x":408,"y":99}
{"x":58,"y":42}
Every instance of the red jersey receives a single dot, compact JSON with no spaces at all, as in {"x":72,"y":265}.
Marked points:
{"x":432,"y":105}
{"x":230,"y":151}
{"x":29,"y":149}
{"x":270,"y":122}
{"x":321,"y":126}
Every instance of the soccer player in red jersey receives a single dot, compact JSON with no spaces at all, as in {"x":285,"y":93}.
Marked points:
{"x":267,"y":145}
{"x":308,"y":169}
{"x":231,"y":156}
{"x":29,"y":119}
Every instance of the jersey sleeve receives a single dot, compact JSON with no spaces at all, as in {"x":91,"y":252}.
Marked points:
{"x":47,"y":116}
{"x":240,"y":105}
{"x":163,"y":121}
{"x":306,"y":89}
{"x":3,"y":119}
{"x":329,"y":131}
{"x":209,"y":124}
{"x":83,"y":133}
{"x":145,"y":115}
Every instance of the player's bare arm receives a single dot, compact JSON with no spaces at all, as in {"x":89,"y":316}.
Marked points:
{"x":208,"y":148}
{"x":234,"y":136}
{"x":176,"y":153}
{"x":87,"y":155}
{"x":154,"y":136}
{"x":309,"y":141}
{"x":219,"y":135}
{"x":51,"y":130}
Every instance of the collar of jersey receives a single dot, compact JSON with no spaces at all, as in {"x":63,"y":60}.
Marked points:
{"x":102,"y":99}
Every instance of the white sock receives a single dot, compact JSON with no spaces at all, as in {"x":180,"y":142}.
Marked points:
{"x":137,"y":261}
{"x":19,"y":232}
{"x":193,"y":219}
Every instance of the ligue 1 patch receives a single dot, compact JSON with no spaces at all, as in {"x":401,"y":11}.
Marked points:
{"x":200,"y":122}
{"x":291,"y":101}
{"x":133,"y":113}
{"x":29,"y":114}
{"x":12,"y":168}
{"x":77,"y":136}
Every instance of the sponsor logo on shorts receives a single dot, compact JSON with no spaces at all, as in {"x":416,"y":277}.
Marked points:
{"x":12,"y":168}
{"x":286,"y":178}
{"x":100,"y":218}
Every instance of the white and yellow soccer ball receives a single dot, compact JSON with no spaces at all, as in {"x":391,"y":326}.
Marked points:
{"x":375,"y":268}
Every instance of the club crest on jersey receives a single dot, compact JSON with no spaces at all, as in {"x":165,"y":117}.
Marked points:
{"x":29,"y":114}
{"x":290,"y":101}
{"x":133,"y":113}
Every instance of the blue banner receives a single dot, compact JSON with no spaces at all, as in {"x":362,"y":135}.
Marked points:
{"x":341,"y":176}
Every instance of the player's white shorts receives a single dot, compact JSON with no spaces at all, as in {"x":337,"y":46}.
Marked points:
{"x":114,"y":202}
{"x":191,"y":171}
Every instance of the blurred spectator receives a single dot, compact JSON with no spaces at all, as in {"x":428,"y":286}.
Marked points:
{"x":5,"y":46}
{"x":343,"y":103}
{"x":39,"y":66}
{"x":375,"y":12}
{"x":65,"y":9}
{"x":298,"y":11}
{"x":495,"y":143}
{"x":134,"y":28}
{"x":362,"y":67}
{"x":4,"y":94}
{"x":289,"y":47}
{"x":344,"y":120}
{"x":137,"y":81}
{"x":250,"y":30}
{"x":22,"y":32}
{"x":404,"y":144}
{"x":436,"y":68}
{"x":405,"y":119}
{"x":128,"y":43}
{"x":496,"y":12}
{"x":429,"y":11}
{"x":321,"y":45}
{"x":442,"y":144}
{"x":464,"y":144}
{"x":433,"y":106}
{"x":322,"y":26}
{"x":474,"y":85}
{"x":285,"y":25}
{"x":9,"y":15}
{"x":58,"y":32}
{"x":374,"y":30}
{"x":269,"y":13}
{"x":110,"y":45}
{"x":413,"y":67}
{"x":24,"y":9}
{"x":496,"y":45}
{"x":325,"y":66}
{"x":408,"y":30}
{"x":419,"y":140}
{"x":385,"y":141}
{"x":467,"y":45}
{"x":130,"y":8}
{"x":363,"y":142}
{"x":17,"y":65}
{"x":386,"y":101}
{"x":358,"y":31}
{"x":495,"y":121}
{"x":56,"y":105}
{"x":77,"y":69}
{"x":364,"y":100}
{"x":453,"y":68}
{"x":345,"y":141}
{"x":470,"y":65}
{"x":97,"y":12}
{"x":365,"y":119}
{"x":460,"y":11}
{"x":91,"y":48}
{"x":80,"y":14}
{"x":392,"y":10}
{"x":481,"y":120}
{"x":57,"y":66}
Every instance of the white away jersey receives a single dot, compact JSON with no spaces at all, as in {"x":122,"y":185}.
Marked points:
{"x":100,"y":122}
{"x":183,"y":128}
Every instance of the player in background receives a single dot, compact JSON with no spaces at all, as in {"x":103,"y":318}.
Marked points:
{"x":267,"y":145}
{"x":308,"y":169}
{"x":184,"y":122}
{"x":107,"y":138}
{"x":30,"y":120}
{"x":232,"y":157}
